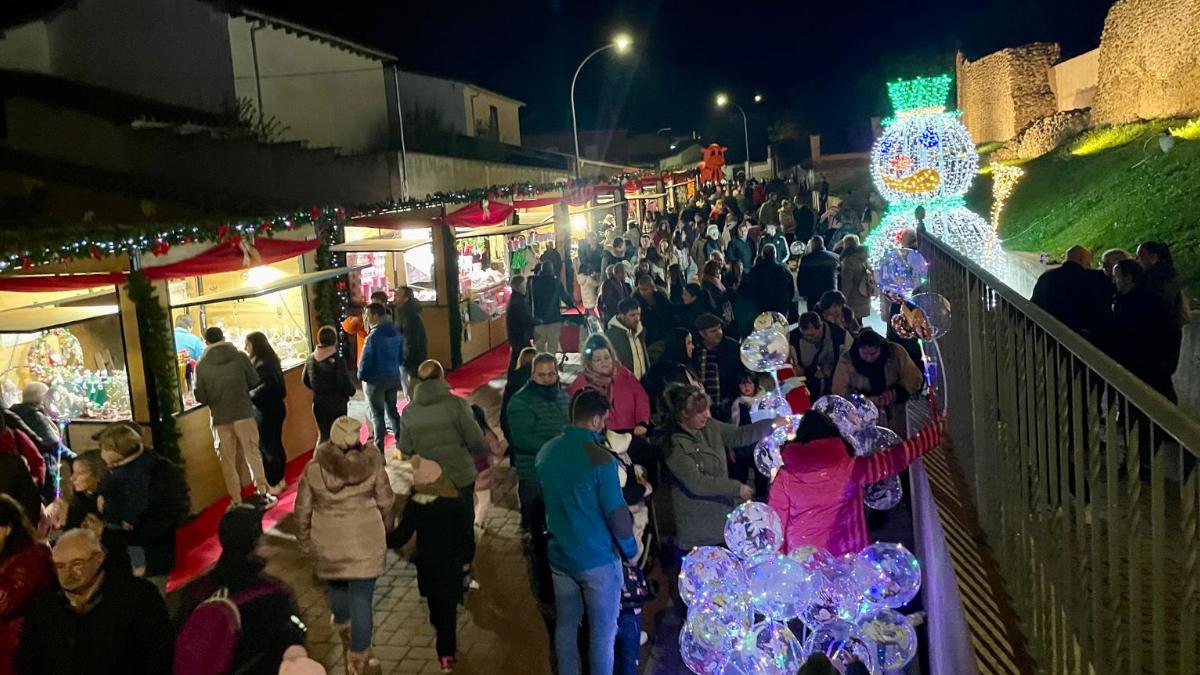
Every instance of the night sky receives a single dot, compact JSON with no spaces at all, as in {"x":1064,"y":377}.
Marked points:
{"x":820,"y":65}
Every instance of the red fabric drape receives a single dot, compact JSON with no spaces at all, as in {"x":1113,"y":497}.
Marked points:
{"x":474,"y":215}
{"x":535,"y":202}
{"x":229,"y":256}
{"x":580,"y":197}
{"x":62,"y":282}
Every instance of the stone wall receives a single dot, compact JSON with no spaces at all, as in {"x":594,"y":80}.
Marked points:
{"x":1074,"y":81}
{"x":1043,"y":135}
{"x":1149,"y":61}
{"x":1003,"y":92}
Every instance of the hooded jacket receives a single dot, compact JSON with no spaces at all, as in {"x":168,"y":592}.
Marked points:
{"x":630,"y":346}
{"x":341,"y":505}
{"x":816,"y":273}
{"x":224,"y":378}
{"x":536,"y":414}
{"x":438,"y":425}
{"x":819,"y":492}
{"x":702,"y":493}
{"x":382,"y":354}
{"x":630,"y":404}
{"x":326,"y":375}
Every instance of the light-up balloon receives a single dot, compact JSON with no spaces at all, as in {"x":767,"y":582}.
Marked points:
{"x":767,"y":457}
{"x":699,"y":656}
{"x":753,"y":531}
{"x":884,"y":494}
{"x":779,"y":587}
{"x":765,"y":350}
{"x":935,"y":310}
{"x":769,"y":648}
{"x":887,"y":574}
{"x":841,"y":641}
{"x":892,"y":636}
{"x":768,"y":320}
{"x":707,"y":569}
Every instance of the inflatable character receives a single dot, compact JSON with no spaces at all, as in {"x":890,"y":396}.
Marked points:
{"x":713,"y":166}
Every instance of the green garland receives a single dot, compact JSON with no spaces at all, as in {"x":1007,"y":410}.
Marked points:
{"x":331,"y":297}
{"x":158,"y":354}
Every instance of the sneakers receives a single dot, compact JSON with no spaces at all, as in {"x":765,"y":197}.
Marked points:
{"x":264,"y":500}
{"x":446,"y":663}
{"x":278,"y":488}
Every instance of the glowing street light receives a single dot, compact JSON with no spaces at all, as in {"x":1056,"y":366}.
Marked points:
{"x":621,"y":42}
{"x":722,"y":101}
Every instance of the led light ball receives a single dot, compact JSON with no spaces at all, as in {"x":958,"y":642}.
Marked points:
{"x":841,"y":641}
{"x":811,"y":557}
{"x":765,"y":350}
{"x":767,"y":457}
{"x":924,"y":156}
{"x":893,"y":637}
{"x":851,"y":418}
{"x":769,"y":648}
{"x":768,"y":320}
{"x":700,"y":657}
{"x":753,"y":531}
{"x":900,"y":271}
{"x":707,"y":570}
{"x":722,"y":623}
{"x":770,"y":407}
{"x":884,"y":494}
{"x":835,"y":596}
{"x":935,"y":312}
{"x":878,"y":439}
{"x":779,"y":587}
{"x":888,"y":574}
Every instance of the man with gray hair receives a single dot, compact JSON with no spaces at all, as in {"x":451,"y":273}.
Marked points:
{"x":100,"y":621}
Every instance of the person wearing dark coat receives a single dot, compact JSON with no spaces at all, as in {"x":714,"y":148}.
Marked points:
{"x":547,"y":296}
{"x":806,"y":222}
{"x":1162,"y":279}
{"x":658,"y":314}
{"x":518,"y":375}
{"x":327,"y":376}
{"x":1078,"y":296}
{"x":1144,"y":335}
{"x":436,"y":515}
{"x":518,"y":318}
{"x":102,"y":621}
{"x":740,"y":247}
{"x":269,"y":615}
{"x":673,"y":367}
{"x":268,"y":398}
{"x":718,"y":361}
{"x":407,"y":319}
{"x":612,"y":292}
{"x":816,"y":273}
{"x":771,"y":284}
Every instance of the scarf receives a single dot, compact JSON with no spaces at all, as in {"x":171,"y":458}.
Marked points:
{"x":876,"y":373}
{"x":715,"y":281}
{"x":601,"y":383}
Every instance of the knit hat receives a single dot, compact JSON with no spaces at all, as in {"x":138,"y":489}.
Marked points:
{"x":345,"y":432}
{"x":429,"y":479}
{"x":707,"y":321}
{"x":240,"y":528}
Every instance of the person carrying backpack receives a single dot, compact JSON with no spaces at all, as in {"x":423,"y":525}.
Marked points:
{"x":237,"y":618}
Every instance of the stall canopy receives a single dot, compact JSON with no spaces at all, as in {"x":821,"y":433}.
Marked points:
{"x":480,"y":213}
{"x":275,"y":286}
{"x":34,"y":319}
{"x":60,"y":282}
{"x":233,"y":255}
{"x":382,"y":244}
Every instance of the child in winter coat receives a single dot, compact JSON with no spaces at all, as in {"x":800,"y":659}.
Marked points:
{"x":436,"y":515}
{"x":634,"y":487}
{"x":741,"y":460}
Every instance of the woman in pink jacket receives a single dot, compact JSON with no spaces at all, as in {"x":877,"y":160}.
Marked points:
{"x":819,"y":491}
{"x":630,"y":405}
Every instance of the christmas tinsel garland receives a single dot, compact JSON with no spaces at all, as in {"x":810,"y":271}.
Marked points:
{"x":158,"y":353}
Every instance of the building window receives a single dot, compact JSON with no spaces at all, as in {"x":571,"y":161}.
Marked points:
{"x":493,"y":123}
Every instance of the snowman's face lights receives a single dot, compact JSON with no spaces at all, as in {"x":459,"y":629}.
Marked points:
{"x":924,"y":156}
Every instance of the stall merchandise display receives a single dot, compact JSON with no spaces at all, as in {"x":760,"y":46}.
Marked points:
{"x":56,"y":358}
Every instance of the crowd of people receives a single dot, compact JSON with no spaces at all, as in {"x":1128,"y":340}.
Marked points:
{"x":1130,"y":306}
{"x":622,"y":466}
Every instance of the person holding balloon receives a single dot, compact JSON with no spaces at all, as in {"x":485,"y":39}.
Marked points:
{"x":883,"y":372}
{"x":819,"y":491}
{"x":695,"y":450}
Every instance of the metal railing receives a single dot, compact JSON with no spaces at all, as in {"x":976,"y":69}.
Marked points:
{"x":1084,"y":477}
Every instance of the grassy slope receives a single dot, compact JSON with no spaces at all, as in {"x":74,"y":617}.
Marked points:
{"x":1102,"y":201}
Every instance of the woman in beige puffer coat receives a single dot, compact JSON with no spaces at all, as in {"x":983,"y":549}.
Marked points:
{"x":343,"y":506}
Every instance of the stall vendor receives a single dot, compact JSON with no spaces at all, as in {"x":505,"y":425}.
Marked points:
{"x":354,"y":325}
{"x":185,"y":339}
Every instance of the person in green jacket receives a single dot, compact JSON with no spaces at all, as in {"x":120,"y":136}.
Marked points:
{"x":695,"y":451}
{"x":536,"y":414}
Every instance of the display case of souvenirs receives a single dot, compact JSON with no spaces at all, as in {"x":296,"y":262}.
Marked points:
{"x":78,"y":352}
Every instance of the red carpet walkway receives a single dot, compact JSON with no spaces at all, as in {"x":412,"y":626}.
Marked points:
{"x":196,"y":543}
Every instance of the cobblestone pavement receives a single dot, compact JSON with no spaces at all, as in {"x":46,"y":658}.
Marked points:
{"x":499,"y":630}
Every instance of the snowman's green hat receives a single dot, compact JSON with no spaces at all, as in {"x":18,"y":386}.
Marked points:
{"x":920,"y":94}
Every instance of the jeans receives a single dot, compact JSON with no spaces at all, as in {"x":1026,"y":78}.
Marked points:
{"x":351,"y":600}
{"x":381,"y":397}
{"x":599,"y":589}
{"x":629,"y":644}
{"x":270,"y":442}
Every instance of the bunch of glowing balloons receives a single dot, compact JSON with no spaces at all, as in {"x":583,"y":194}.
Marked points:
{"x":741,"y":600}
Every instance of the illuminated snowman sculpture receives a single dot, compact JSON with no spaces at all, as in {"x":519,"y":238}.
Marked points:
{"x":926,"y":158}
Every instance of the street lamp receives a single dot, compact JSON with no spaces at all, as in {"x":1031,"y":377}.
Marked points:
{"x":622,"y":42}
{"x":722,"y":101}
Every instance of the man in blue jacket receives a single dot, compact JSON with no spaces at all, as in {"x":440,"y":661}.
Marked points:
{"x":379,"y":369}
{"x":590,"y":530}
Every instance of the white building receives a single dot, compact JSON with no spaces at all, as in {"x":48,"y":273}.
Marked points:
{"x":317,"y":88}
